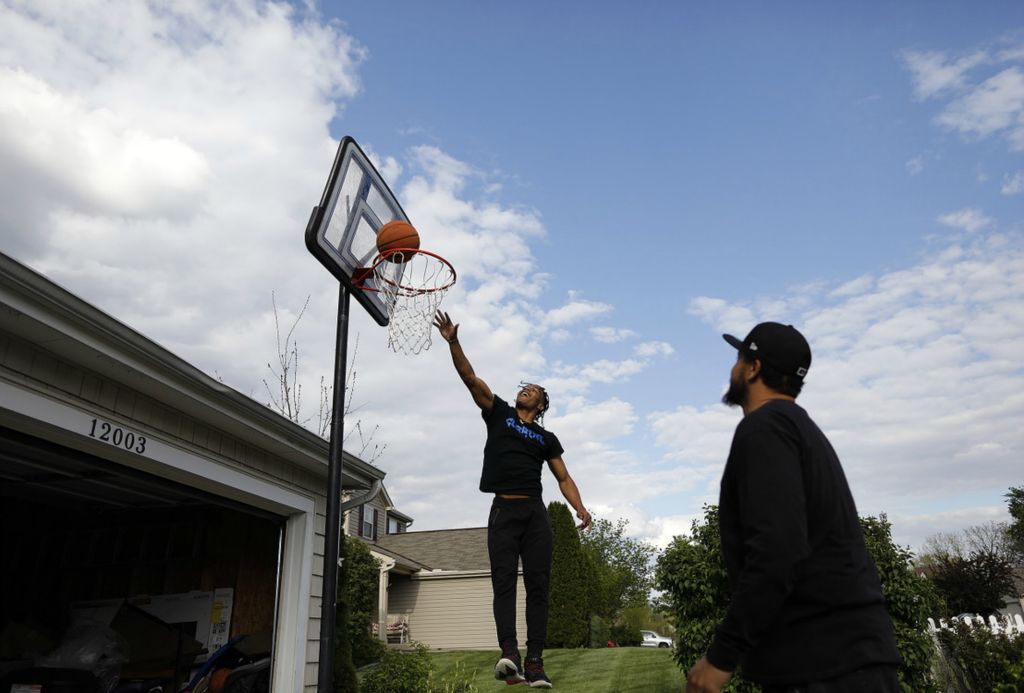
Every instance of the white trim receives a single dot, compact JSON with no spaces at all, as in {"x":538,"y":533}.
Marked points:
{"x":450,"y":574}
{"x":69,"y":424}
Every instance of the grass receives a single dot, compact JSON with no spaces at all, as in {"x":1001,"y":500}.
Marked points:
{"x":608,"y":670}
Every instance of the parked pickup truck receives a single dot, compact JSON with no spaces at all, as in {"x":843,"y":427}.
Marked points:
{"x":652,"y":639}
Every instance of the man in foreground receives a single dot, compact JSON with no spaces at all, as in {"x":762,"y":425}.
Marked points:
{"x":518,"y":527}
{"x":807,"y":614}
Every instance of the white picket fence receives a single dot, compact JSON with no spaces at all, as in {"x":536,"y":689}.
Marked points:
{"x":1003,"y":625}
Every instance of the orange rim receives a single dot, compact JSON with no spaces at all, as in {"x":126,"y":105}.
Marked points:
{"x":363,"y":273}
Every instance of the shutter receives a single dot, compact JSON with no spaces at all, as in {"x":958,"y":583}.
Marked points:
{"x":359,"y":529}
{"x":376,"y":524}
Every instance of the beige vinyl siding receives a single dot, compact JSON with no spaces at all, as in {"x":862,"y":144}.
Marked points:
{"x":451,"y":612}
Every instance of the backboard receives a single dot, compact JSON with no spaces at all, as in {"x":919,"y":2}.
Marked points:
{"x":342,"y":230}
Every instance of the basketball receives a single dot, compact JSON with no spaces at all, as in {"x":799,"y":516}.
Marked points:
{"x":397,"y":234}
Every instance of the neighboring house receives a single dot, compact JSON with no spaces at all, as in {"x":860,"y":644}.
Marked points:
{"x":125,"y":471}
{"x":447,"y":600}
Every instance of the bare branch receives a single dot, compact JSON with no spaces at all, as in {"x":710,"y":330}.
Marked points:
{"x":285,"y":391}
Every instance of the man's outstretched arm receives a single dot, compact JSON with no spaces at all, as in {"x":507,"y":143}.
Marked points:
{"x":482,"y":394}
{"x":568,"y":488}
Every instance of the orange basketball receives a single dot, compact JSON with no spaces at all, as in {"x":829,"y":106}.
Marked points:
{"x":397,"y":234}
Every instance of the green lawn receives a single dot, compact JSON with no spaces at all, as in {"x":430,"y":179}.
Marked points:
{"x":610,"y":670}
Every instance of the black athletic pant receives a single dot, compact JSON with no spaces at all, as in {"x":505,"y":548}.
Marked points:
{"x":880,"y":678}
{"x":519,"y":528}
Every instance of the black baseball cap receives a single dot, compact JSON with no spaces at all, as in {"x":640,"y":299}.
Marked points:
{"x":780,"y":346}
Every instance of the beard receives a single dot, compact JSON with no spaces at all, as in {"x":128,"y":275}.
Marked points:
{"x":736,"y":395}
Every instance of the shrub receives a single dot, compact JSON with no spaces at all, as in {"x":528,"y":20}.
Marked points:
{"x":362,"y":580}
{"x":626,"y":634}
{"x":568,"y":613}
{"x":600,"y":632}
{"x":627,"y":629}
{"x":978,"y":660}
{"x":909,"y":598}
{"x":399,"y":672}
{"x":691,"y":574}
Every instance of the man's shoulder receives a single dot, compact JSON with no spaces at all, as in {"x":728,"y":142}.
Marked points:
{"x":772,"y":416}
{"x":499,"y":409}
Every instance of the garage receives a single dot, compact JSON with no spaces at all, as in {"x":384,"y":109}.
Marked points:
{"x":141,"y":496}
{"x":101,"y":534}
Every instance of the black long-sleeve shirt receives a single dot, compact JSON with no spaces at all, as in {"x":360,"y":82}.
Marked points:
{"x":806,"y":598}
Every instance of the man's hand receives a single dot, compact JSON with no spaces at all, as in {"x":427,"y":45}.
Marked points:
{"x":705,"y":677}
{"x":585,"y":518}
{"x":449,"y":332}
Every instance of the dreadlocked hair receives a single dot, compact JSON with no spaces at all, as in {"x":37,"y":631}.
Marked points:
{"x":547,"y":403}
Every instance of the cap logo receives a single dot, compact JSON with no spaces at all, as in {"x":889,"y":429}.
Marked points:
{"x":801,"y":371}
{"x":753,"y":346}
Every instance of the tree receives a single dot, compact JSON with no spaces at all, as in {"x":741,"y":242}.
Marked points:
{"x":972,"y":569}
{"x":286,"y":392}
{"x":571,"y":586}
{"x":1015,"y":530}
{"x":623,"y":573}
{"x":691,"y":574}
{"x":976,"y":583}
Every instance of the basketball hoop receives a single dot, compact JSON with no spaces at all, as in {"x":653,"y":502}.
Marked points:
{"x":413,"y":284}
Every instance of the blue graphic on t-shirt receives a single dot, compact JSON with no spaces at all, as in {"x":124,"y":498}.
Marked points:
{"x":525,"y":432}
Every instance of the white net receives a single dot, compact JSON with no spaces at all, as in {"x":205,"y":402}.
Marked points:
{"x":412,"y":286}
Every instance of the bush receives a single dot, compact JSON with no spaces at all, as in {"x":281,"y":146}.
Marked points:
{"x":626,"y":635}
{"x":362,"y":580}
{"x":627,"y":629}
{"x":978,"y":660}
{"x":909,"y":598}
{"x":568,"y":613}
{"x":600,"y":632}
{"x":399,"y":672}
{"x":691,"y":574}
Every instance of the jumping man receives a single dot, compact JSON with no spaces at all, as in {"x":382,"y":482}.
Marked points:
{"x":518,"y":526}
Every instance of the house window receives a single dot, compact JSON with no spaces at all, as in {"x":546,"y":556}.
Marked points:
{"x":369,"y":522}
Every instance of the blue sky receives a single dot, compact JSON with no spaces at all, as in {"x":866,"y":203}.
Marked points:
{"x":733,"y":148}
{"x":616,"y":186}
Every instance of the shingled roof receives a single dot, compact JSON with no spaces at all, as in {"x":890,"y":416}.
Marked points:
{"x":442,"y":549}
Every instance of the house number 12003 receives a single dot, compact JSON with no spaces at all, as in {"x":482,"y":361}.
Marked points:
{"x":115,"y":435}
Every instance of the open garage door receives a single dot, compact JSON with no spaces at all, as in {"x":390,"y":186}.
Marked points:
{"x":168,"y":573}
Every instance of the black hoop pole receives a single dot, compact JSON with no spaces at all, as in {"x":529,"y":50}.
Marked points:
{"x":332,"y":534}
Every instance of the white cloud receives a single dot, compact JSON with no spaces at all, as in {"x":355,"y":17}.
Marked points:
{"x":984,"y":91}
{"x":914,"y":371}
{"x":1013,"y":184}
{"x":611,"y":335}
{"x":934,"y":74}
{"x":574,"y":311}
{"x":995,"y":105}
{"x":656,"y":348}
{"x":970,"y":220}
{"x":915,"y":166}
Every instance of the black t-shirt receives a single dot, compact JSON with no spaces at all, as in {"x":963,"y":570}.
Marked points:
{"x":806,"y":598}
{"x":515,"y":452}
